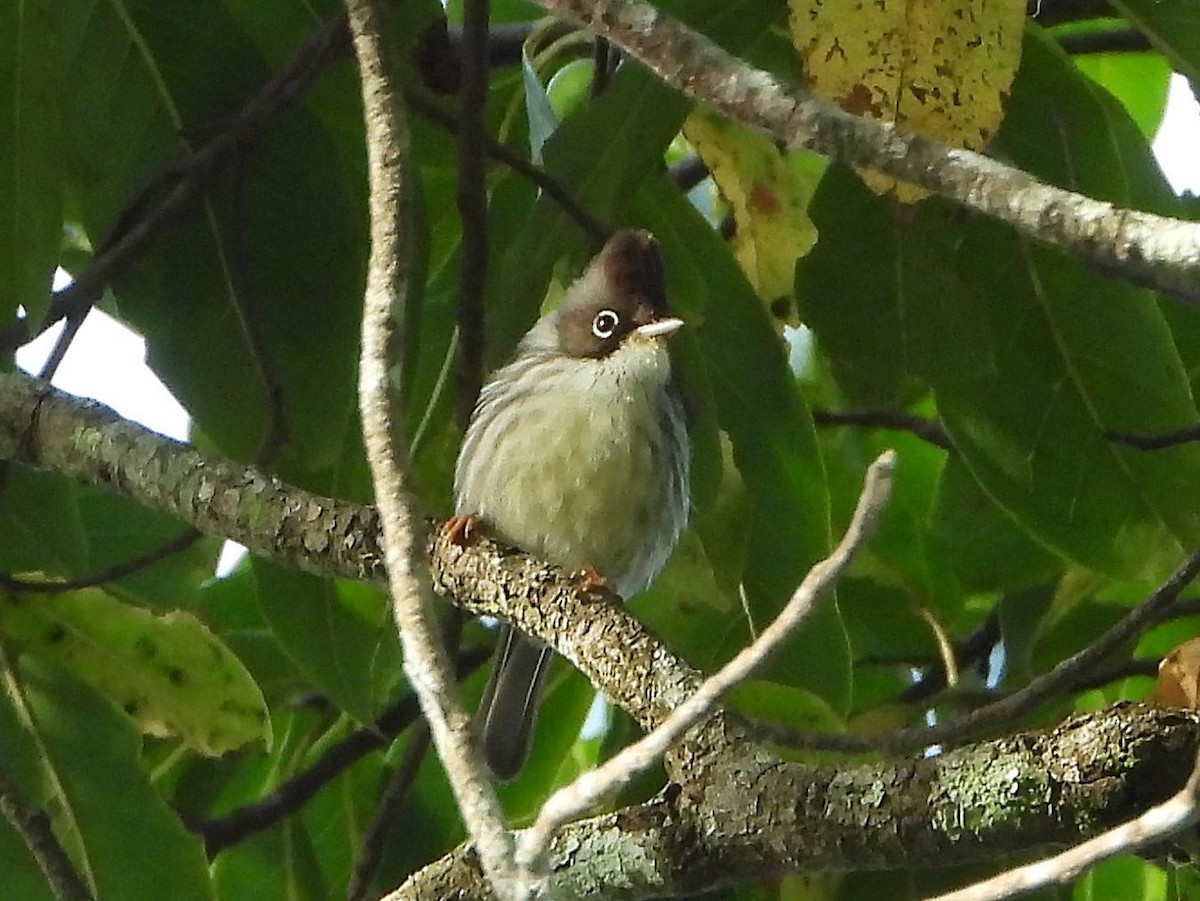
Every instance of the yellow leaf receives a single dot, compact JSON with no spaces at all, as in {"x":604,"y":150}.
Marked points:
{"x":768,"y":193}
{"x":942,"y":68}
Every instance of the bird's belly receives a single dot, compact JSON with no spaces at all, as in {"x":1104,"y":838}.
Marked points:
{"x":584,"y":487}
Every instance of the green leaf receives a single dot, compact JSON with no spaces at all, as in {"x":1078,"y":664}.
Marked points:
{"x":338,"y":633}
{"x":988,"y":550}
{"x":1064,"y":350}
{"x":31,"y":157}
{"x":170,"y":673}
{"x":102,"y":797}
{"x":1171,"y":27}
{"x":1138,"y":80}
{"x":850,"y":299}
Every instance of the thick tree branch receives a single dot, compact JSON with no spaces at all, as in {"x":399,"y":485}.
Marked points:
{"x":43,"y":427}
{"x":1155,"y":825}
{"x":1150,"y":250}
{"x":1031,"y":790}
{"x":426,"y":661}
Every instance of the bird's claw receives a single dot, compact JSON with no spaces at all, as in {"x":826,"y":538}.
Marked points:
{"x":459,"y":530}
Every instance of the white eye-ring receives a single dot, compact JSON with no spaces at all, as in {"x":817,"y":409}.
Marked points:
{"x":604,"y":326}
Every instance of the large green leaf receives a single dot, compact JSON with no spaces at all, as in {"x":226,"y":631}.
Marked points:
{"x":1056,"y":354}
{"x":1172,"y":28}
{"x":31,"y":153}
{"x":339,"y":634}
{"x":102,"y":797}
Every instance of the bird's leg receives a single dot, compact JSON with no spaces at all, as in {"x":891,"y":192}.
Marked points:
{"x":459,"y":529}
{"x":590,"y":580}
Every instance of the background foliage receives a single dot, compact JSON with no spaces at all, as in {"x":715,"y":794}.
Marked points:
{"x":1034,"y":529}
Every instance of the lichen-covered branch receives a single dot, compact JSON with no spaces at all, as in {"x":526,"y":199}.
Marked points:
{"x":45,"y":428}
{"x":759,"y":815}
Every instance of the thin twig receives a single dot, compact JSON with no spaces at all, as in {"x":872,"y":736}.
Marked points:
{"x":1149,"y":250}
{"x":596,"y":230}
{"x":176,"y":545}
{"x":426,"y":663}
{"x":1116,"y":40}
{"x":1156,"y":824}
{"x":290,"y":795}
{"x":33,"y":826}
{"x":894,"y":420}
{"x":1159,"y":441}
{"x":371,"y":848}
{"x":581,"y":795}
{"x":472,"y":204}
{"x":1066,"y":675}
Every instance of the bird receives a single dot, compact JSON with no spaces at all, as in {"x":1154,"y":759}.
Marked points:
{"x":577,"y":452}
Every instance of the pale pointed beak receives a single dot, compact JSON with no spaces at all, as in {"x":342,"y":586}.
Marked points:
{"x":660,"y":328}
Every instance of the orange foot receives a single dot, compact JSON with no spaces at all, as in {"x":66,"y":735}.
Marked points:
{"x":590,"y":580}
{"x":459,"y":529}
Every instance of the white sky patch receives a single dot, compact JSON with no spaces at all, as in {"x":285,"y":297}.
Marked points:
{"x":1177,"y":144}
{"x":107,"y":362}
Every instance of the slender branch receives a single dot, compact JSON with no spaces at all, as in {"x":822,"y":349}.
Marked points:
{"x":426,"y":663}
{"x":581,"y":795}
{"x":1156,"y":824}
{"x":1159,"y":441}
{"x":1150,"y":250}
{"x":472,"y":204}
{"x":927,"y":430}
{"x":1117,"y":40}
{"x":290,"y":795}
{"x":371,"y":848}
{"x":1065,"y":675}
{"x":596,"y":230}
{"x":117,"y":571}
{"x":33,"y":827}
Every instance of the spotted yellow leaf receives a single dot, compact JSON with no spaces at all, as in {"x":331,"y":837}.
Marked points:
{"x":942,"y":68}
{"x":768,"y":193}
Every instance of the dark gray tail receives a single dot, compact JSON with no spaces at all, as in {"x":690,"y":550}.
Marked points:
{"x":509,"y":706}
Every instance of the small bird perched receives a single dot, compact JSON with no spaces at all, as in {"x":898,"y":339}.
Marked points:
{"x":577,"y":452}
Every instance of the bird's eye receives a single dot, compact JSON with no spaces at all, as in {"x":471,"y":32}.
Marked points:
{"x":604,"y":326}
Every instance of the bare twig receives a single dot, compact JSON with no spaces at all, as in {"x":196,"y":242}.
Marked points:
{"x":472,"y":204}
{"x":894,"y":420}
{"x":581,"y":795}
{"x":426,"y":663}
{"x":1159,"y":441}
{"x":1066,"y":675}
{"x":290,"y":795}
{"x":1150,"y":250}
{"x":118,"y":571}
{"x":33,"y":827}
{"x":596,"y":230}
{"x":371,"y":848}
{"x":1156,"y":824}
{"x":1115,"y":40}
